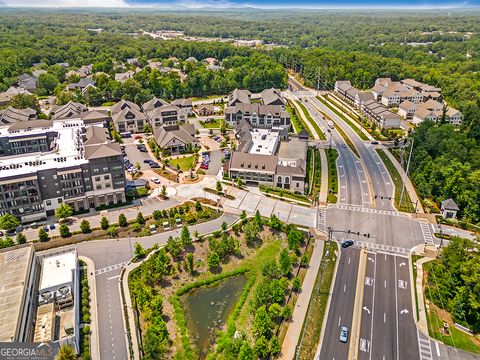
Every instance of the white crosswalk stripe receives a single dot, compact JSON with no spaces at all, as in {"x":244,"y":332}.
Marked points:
{"x":369,"y":210}
{"x":382,"y":247}
{"x":322,"y":219}
{"x":426,"y":232}
{"x":424,"y":347}
{"x":110,"y":268}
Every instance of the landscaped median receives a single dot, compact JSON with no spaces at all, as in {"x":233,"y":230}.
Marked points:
{"x":332,"y":155}
{"x":315,"y":126}
{"x":406,"y":204}
{"x":285,"y":194}
{"x":354,"y":127}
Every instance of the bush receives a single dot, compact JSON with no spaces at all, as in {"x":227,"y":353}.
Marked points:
{"x":112,"y":231}
{"x":64,"y":231}
{"x":122,"y":220}
{"x":21,"y":239}
{"x":104,"y":224}
{"x":140,"y":218}
{"x":42,"y":235}
{"x":85,"y":226}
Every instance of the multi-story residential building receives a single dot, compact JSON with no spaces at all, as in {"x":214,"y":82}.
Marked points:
{"x":407,"y":109}
{"x":378,"y":113}
{"x":266,"y":156}
{"x":272,"y":97}
{"x":11,"y":115}
{"x":258,"y":115}
{"x":361,"y":97}
{"x":127,"y":117}
{"x":71,"y":110}
{"x":43,"y":164}
{"x":166,"y":115}
{"x":393,"y":96}
{"x":435,"y":111}
{"x":185,"y":105}
{"x":239,"y":97}
{"x":176,"y":138}
{"x":342,"y":86}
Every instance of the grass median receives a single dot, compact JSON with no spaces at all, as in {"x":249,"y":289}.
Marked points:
{"x":406,"y":204}
{"x":315,"y":126}
{"x":312,"y":325}
{"x":332,"y":155}
{"x":297,"y":123}
{"x":354,"y":127}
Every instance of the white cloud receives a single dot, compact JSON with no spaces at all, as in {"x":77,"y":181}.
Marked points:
{"x":63,"y":3}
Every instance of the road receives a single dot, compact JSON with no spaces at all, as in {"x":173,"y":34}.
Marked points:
{"x":341,"y":307}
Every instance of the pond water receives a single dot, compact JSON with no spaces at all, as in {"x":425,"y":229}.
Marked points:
{"x":207,"y":309}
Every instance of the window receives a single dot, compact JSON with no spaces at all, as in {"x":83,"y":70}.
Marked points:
{"x":95,"y":171}
{"x":60,"y":200}
{"x":107,"y":177}
{"x":48,"y":202}
{"x":98,"y":186}
{"x":97,"y":178}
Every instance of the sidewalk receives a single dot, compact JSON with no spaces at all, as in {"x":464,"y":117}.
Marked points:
{"x":409,"y":186}
{"x":324,"y":182}
{"x":94,"y":338}
{"x":301,"y":307}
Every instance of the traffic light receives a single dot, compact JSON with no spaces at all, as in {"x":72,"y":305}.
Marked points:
{"x":358,"y":232}
{"x":376,"y":196}
{"x":349,"y":231}
{"x":368,"y":236}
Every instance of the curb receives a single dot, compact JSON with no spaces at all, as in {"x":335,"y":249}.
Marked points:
{"x":94,"y":338}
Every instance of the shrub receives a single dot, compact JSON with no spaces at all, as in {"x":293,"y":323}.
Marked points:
{"x":42,"y":235}
{"x":64,"y":231}
{"x":85,"y":226}
{"x":104,"y":224}
{"x":122,"y":220}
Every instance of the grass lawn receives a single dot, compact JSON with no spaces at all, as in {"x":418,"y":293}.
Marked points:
{"x":354,"y":127}
{"x":211,"y":124}
{"x":312,"y":326}
{"x":406,"y":204}
{"x":296,"y":122}
{"x":284,"y":193}
{"x":414,"y":272}
{"x":185,"y":163}
{"x":332,"y":155}
{"x":315,"y":126}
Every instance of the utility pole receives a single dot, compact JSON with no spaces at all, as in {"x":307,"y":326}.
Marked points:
{"x":441,"y":236}
{"x":406,"y":172}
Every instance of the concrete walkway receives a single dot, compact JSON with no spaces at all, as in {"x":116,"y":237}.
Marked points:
{"x":324,"y":182}
{"x":94,"y":338}
{"x":294,"y":330}
{"x":409,"y":186}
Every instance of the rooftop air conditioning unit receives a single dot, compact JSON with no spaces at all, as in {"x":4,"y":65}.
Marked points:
{"x":45,"y":297}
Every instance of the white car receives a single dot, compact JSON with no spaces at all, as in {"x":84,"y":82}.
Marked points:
{"x":155,"y":180}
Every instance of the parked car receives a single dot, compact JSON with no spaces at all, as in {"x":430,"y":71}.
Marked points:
{"x":154,"y":165}
{"x":204,"y":167}
{"x":147,"y":161}
{"x":347,"y":243}
{"x":344,"y":146}
{"x":166,"y":225}
{"x":138,"y":137}
{"x":155,"y":180}
{"x":52,"y":226}
{"x":343,"y":334}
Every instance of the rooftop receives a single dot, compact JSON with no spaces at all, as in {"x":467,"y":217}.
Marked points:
{"x":14,"y":273}
{"x":264,"y":141}
{"x":57,"y":269}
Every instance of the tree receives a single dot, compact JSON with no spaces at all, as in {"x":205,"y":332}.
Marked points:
{"x":287,"y":312}
{"x":243,"y":215}
{"x":47,"y":82}
{"x":21,"y":238}
{"x":163,"y":192}
{"x":174,"y":246}
{"x":294,"y":238}
{"x":240,"y":182}
{"x":185,"y":237}
{"x":85,"y":226}
{"x":122,"y":220}
{"x":140,"y":219}
{"x":262,"y":347}
{"x":104,"y":223}
{"x":271,"y":270}
{"x":257,"y":219}
{"x":274,"y":310}
{"x":42,"y":235}
{"x":285,"y":262}
{"x":139,"y":252}
{"x":219,"y":187}
{"x":224,"y":226}
{"x":213,"y":260}
{"x":6,"y":243}
{"x":63,"y":211}
{"x":275,"y":222}
{"x":262,"y":324}
{"x":190,"y":263}
{"x":64,"y":231}
{"x":66,"y":352}
{"x":23,"y":101}
{"x":112,"y":230}
{"x":9,"y":222}
{"x":296,"y":284}
{"x":277,"y":291}
{"x":246,"y":352}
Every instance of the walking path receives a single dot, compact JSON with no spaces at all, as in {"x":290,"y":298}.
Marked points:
{"x":324,"y":182}
{"x":409,"y":186}
{"x":301,"y":307}
{"x":94,"y":338}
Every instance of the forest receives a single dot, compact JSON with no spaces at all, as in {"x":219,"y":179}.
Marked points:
{"x":436,"y":47}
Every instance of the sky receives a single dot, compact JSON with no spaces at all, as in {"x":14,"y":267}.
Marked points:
{"x":225,"y":4}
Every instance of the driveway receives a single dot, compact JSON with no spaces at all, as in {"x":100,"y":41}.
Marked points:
{"x":215,"y":162}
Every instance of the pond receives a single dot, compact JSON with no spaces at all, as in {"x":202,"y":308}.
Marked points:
{"x":207,"y":309}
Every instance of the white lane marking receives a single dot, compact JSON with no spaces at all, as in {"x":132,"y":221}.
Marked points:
{"x":366,"y":309}
{"x":339,"y":320}
{"x":344,"y":287}
{"x":438,"y":348}
{"x":349,"y":261}
{"x":396,"y":302}
{"x":113,"y":277}
{"x":384,"y":318}
{"x":385,"y":283}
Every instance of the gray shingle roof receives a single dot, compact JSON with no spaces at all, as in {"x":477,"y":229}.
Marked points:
{"x":121,"y":105}
{"x":253,"y":162}
{"x":165,"y":134}
{"x":449,"y":204}
{"x":154,"y":103}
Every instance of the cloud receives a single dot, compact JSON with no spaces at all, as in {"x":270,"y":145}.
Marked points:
{"x":63,"y":3}
{"x":197,"y":4}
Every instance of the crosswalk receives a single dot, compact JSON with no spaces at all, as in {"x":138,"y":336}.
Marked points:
{"x":368,"y":210}
{"x":426,"y":232}
{"x":424,"y":347}
{"x":382,"y":247}
{"x":322,"y":219}
{"x":110,"y":268}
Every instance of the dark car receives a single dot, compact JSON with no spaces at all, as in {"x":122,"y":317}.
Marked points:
{"x":347,"y":243}
{"x":374,"y":143}
{"x":154,"y":165}
{"x":147,"y":161}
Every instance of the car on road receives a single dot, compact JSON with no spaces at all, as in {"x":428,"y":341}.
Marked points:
{"x":347,"y":243}
{"x":147,"y":161}
{"x":344,"y":146}
{"x":154,"y":165}
{"x":343,"y":334}
{"x":374,"y":143}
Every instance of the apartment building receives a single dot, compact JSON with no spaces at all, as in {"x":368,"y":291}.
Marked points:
{"x":127,"y":117}
{"x":384,"y":118}
{"x":435,"y":111}
{"x":269,"y":112}
{"x":44,"y":164}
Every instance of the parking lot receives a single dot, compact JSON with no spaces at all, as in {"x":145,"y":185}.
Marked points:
{"x":215,"y":162}
{"x":135,"y":155}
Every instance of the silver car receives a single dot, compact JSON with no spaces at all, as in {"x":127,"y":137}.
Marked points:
{"x":343,"y":334}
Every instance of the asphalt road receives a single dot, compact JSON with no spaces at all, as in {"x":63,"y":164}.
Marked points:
{"x":341,"y":307}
